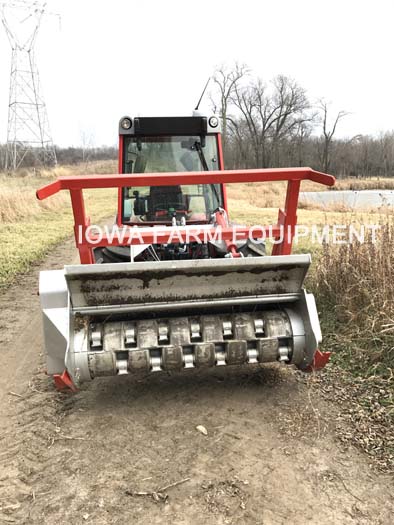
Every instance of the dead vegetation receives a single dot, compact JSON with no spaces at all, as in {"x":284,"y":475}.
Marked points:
{"x":374,"y":183}
{"x":266,"y":194}
{"x":339,"y":207}
{"x":21,"y":203}
{"x":364,"y":416}
{"x":226,"y":497}
{"x":356,"y":282}
{"x":84,"y":168}
{"x":354,"y":287}
{"x":29,"y":228}
{"x":158,"y":495}
{"x":18,"y":200}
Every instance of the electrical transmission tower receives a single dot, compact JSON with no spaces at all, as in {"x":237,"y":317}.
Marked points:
{"x":28,"y":134}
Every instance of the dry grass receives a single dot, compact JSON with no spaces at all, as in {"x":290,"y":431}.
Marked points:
{"x":258,"y":203}
{"x":364,"y":184}
{"x":16,"y":205}
{"x":102,"y":166}
{"x":354,"y":288}
{"x":354,"y":284}
{"x":243,"y":213}
{"x":266,"y":194}
{"x":29,"y":228}
{"x":30,"y":238}
{"x":333,"y":206}
{"x":18,"y":201}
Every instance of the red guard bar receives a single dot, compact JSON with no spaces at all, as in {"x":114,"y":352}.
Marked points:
{"x":287,"y":218}
{"x":189,"y":177}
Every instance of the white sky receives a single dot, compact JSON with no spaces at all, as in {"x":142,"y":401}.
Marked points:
{"x":152,"y":57}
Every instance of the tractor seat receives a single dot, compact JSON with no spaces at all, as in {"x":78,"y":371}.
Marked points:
{"x":165,"y":197}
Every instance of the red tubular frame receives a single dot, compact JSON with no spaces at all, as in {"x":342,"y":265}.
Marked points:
{"x":221,"y":167}
{"x":120,"y":169}
{"x":287,"y":217}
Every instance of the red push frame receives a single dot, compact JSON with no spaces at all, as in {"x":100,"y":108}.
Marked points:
{"x":287,"y":217}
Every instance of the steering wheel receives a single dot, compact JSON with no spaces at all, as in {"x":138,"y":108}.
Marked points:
{"x":165,"y":206}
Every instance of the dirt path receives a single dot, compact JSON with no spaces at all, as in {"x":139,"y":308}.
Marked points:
{"x":270,"y":456}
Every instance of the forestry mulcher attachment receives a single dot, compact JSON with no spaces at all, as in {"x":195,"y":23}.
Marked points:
{"x":174,"y":285}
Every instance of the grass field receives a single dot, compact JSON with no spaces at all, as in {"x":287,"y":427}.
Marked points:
{"x":29,"y":228}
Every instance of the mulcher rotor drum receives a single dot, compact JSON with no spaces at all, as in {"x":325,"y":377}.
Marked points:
{"x":188,"y":342}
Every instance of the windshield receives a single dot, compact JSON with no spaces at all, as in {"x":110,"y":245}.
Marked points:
{"x":163,"y":154}
{"x":191,"y":203}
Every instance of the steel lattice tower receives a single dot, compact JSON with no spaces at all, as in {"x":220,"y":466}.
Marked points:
{"x":28,"y":133}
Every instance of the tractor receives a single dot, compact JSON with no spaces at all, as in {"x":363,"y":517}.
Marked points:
{"x":174,"y":284}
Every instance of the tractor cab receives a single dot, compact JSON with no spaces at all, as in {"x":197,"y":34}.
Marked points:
{"x":169,"y":145}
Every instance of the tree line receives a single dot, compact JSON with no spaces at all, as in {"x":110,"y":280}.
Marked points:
{"x":70,"y":155}
{"x":274,"y":124}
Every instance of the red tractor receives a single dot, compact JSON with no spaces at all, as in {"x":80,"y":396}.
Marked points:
{"x":174,"y":285}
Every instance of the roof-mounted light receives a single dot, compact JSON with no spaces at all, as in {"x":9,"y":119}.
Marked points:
{"x":126,"y":123}
{"x":214,"y":122}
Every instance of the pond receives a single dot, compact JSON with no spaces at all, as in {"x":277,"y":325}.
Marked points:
{"x":350,"y":198}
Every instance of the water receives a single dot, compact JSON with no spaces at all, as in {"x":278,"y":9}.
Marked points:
{"x":350,"y":198}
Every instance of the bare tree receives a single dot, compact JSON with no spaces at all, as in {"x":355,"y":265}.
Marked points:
{"x":226,"y":78}
{"x":301,"y":135}
{"x":271,"y":115}
{"x":328,"y":133}
{"x":292,"y":111}
{"x":248,"y":100}
{"x":386,"y":152}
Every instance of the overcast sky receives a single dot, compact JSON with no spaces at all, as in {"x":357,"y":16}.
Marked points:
{"x":152,"y":57}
